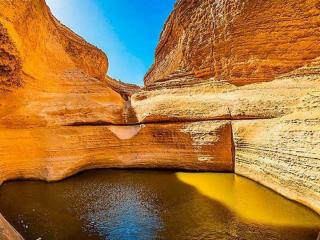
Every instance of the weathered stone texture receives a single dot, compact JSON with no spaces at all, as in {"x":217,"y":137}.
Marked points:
{"x":54,"y":77}
{"x":10,"y":63}
{"x":240,"y":41}
{"x":56,"y":153}
{"x":197,"y":110}
{"x":283,"y":153}
{"x":7,"y":232}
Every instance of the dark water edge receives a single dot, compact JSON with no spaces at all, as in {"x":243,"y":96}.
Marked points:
{"x":129,"y":204}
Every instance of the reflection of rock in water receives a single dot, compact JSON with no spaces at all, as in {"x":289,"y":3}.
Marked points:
{"x":107,"y":204}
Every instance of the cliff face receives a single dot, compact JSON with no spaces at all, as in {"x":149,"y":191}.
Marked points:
{"x":56,"y":98}
{"x":255,"y":63}
{"x":235,"y":87}
{"x":239,"y":41}
{"x":48,"y":75}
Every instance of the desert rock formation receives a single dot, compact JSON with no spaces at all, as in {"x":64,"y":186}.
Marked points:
{"x":60,"y":112}
{"x":55,"y":153}
{"x":59,"y":81}
{"x":7,"y":232}
{"x":234,"y":87}
{"x":256,"y":64}
{"x":240,"y":41}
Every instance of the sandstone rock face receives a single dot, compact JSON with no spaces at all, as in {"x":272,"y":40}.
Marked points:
{"x":240,"y":41}
{"x":10,"y":63}
{"x":275,"y":125}
{"x":283,"y":153}
{"x":256,"y":64}
{"x":59,"y":82}
{"x":7,"y":232}
{"x":55,"y":153}
{"x":60,"y":113}
{"x":125,"y":90}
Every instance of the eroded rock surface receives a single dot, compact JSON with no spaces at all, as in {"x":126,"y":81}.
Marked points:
{"x":255,"y":63}
{"x":235,"y":87}
{"x":50,"y":76}
{"x":55,"y":153}
{"x":240,"y":41}
{"x":7,"y":232}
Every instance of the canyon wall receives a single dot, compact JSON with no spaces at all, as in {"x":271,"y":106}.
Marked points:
{"x":240,"y":41}
{"x":256,"y":64}
{"x":49,"y":75}
{"x":56,"y":153}
{"x":60,"y":113}
{"x":234,"y":87}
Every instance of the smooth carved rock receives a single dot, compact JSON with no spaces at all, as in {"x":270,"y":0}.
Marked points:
{"x":55,"y":153}
{"x":240,"y":41}
{"x":49,"y":76}
{"x":197,"y":106}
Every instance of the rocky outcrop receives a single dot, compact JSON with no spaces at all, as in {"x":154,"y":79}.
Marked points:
{"x":56,"y":153}
{"x":124,"y":89}
{"x":59,"y":82}
{"x":7,"y":232}
{"x":234,"y":87}
{"x":256,"y":64}
{"x":240,"y":41}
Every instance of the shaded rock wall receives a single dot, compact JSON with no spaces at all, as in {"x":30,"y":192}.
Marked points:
{"x":10,"y":63}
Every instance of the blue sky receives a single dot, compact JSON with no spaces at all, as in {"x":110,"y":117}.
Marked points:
{"x":126,"y":30}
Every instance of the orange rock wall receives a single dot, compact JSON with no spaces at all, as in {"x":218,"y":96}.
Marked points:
{"x":60,"y":113}
{"x":56,"y":153}
{"x":10,"y":63}
{"x":240,"y":41}
{"x":49,"y":76}
{"x":32,"y":26}
{"x":124,"y":89}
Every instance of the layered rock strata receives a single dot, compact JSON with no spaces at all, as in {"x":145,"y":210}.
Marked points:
{"x":234,"y":87}
{"x":124,"y":89}
{"x":55,"y":153}
{"x":240,"y":41}
{"x":49,"y":75}
{"x":255,"y":63}
{"x":63,"y":88}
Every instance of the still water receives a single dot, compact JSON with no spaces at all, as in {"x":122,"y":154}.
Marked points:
{"x":121,"y":204}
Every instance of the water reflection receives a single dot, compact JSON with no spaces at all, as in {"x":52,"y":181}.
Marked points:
{"x":256,"y":204}
{"x":109,"y":204}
